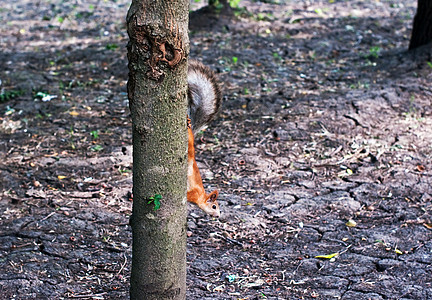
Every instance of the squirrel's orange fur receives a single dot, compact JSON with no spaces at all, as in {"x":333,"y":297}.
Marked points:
{"x":195,"y":189}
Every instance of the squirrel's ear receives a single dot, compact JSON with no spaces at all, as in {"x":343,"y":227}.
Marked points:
{"x":213,"y":195}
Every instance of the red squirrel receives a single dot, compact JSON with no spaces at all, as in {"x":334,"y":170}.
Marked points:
{"x":204,"y":101}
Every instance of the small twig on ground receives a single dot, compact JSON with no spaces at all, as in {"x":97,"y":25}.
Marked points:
{"x":87,"y":295}
{"x":227,"y":239}
{"x":123,"y":265}
{"x":48,"y":216}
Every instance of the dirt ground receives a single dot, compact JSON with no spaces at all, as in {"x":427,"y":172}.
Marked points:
{"x":322,"y":153}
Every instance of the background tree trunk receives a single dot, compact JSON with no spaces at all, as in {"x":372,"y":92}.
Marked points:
{"x":157,"y":90}
{"x":422,"y":25}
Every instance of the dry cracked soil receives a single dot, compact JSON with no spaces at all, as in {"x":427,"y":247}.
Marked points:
{"x":322,"y":152}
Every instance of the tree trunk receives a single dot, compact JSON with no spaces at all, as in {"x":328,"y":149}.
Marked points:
{"x":157,"y":90}
{"x":422,"y":25}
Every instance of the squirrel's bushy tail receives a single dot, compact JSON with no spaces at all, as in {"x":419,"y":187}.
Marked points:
{"x":204,"y":95}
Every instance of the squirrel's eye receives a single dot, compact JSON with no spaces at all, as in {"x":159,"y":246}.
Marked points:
{"x":214,"y":206}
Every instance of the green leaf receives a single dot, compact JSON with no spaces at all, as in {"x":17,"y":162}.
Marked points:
{"x":330,"y":256}
{"x":7,"y":95}
{"x":318,"y":11}
{"x":111,"y":46}
{"x":429,"y":64}
{"x":234,"y":3}
{"x":94,"y":134}
{"x":351,"y":223}
{"x":41,"y":94}
{"x":96,"y":148}
{"x":374,"y":51}
{"x":156,"y":199}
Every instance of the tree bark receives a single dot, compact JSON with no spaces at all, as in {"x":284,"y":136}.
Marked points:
{"x":157,"y":89}
{"x":422,"y":25}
